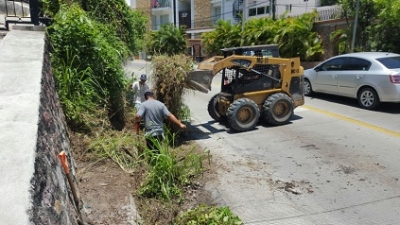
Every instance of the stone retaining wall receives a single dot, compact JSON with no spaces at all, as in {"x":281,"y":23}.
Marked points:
{"x":34,"y":187}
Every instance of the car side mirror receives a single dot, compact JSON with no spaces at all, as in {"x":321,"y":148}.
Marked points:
{"x":317,"y":69}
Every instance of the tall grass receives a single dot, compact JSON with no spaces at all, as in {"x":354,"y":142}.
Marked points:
{"x":171,"y":169}
{"x":87,"y":58}
{"x":120,"y":146}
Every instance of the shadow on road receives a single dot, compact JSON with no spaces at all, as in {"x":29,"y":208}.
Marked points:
{"x":385,"y":107}
{"x":203,"y":130}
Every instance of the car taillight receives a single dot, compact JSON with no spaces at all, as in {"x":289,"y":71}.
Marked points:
{"x":395,"y":79}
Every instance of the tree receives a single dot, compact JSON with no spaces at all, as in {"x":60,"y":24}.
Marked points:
{"x":129,"y":25}
{"x":169,"y":40}
{"x":293,"y":35}
{"x":386,"y":36}
{"x":366,"y":15}
{"x":259,"y":31}
{"x":224,"y":35}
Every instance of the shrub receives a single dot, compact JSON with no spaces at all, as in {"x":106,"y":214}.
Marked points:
{"x":169,"y":79}
{"x":169,"y":40}
{"x":90,"y":52}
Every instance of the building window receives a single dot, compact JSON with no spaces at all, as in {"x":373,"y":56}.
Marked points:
{"x":289,"y":8}
{"x":164,"y":19}
{"x":253,"y":12}
{"x":154,"y":22}
{"x":259,"y":11}
{"x":216,"y":14}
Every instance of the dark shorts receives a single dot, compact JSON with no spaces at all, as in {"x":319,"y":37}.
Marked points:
{"x":154,"y":142}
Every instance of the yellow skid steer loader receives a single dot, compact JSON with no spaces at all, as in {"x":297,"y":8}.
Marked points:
{"x":256,"y":83}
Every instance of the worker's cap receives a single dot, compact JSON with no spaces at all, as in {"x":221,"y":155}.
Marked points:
{"x":148,"y":93}
{"x":143,"y":77}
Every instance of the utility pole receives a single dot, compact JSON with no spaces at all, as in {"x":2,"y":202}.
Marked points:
{"x":273,"y":8}
{"x":244,"y":18}
{"x":223,"y":9}
{"x":353,"y":41}
{"x":244,"y":14}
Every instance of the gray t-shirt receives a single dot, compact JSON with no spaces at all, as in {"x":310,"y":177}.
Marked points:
{"x":153,"y":112}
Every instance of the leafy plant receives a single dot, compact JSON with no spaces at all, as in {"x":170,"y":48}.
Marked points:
{"x":341,"y":39}
{"x":169,"y":40}
{"x":205,"y":215}
{"x":293,"y":35}
{"x":224,"y":35}
{"x":78,"y":92}
{"x":129,"y":25}
{"x":97,"y":58}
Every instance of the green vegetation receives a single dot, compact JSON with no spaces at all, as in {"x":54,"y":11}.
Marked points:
{"x":87,"y":58}
{"x":224,"y":35}
{"x":169,"y":78}
{"x":293,"y":35}
{"x":130,"y":26}
{"x":169,"y":40}
{"x":377,"y":28}
{"x":170,"y":171}
{"x":204,"y":215}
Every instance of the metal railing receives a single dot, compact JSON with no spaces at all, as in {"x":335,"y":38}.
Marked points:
{"x":21,"y":12}
{"x":161,"y":4}
{"x":329,"y":13}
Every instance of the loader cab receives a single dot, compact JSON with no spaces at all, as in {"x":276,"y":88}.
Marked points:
{"x":239,"y":80}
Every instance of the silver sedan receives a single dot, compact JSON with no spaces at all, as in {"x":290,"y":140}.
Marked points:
{"x":369,"y":77}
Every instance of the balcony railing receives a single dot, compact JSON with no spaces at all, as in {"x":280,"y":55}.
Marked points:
{"x":161,"y":4}
{"x":330,"y":14}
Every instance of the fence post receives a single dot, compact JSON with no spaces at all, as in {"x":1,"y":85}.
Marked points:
{"x":34,"y":8}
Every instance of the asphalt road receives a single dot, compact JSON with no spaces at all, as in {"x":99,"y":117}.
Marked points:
{"x":333,"y":164}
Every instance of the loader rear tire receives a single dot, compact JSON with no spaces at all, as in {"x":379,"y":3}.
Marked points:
{"x":213,"y":109}
{"x":277,"y":109}
{"x":243,"y":114}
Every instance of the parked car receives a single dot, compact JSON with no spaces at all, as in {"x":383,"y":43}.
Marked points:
{"x":369,"y":77}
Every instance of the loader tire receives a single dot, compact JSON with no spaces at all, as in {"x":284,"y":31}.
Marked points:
{"x":243,"y":114}
{"x":213,"y":109}
{"x":278,"y":109}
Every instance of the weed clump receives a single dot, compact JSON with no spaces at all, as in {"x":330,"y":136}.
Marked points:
{"x":169,"y":79}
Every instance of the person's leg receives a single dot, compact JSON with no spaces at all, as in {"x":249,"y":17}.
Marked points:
{"x":154,"y":143}
{"x":149,"y":143}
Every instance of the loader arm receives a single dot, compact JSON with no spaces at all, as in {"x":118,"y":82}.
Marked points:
{"x":201,"y":78}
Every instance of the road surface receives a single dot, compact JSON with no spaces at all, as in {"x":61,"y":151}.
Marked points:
{"x":333,"y":164}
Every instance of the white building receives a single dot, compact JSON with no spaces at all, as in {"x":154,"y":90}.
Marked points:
{"x":186,"y":12}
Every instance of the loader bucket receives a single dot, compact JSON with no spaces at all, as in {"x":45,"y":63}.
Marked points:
{"x":200,"y":80}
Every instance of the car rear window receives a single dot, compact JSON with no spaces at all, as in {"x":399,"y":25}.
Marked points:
{"x":390,"y":62}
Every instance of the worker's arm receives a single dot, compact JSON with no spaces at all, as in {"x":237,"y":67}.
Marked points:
{"x":176,"y":121}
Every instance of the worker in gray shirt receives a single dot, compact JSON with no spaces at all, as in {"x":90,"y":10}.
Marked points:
{"x":154,"y":112}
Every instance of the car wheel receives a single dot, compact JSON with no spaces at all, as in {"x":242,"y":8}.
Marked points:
{"x":213,"y":109}
{"x":368,"y":98}
{"x":243,"y":114}
{"x":307,"y":88}
{"x":277,"y":109}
